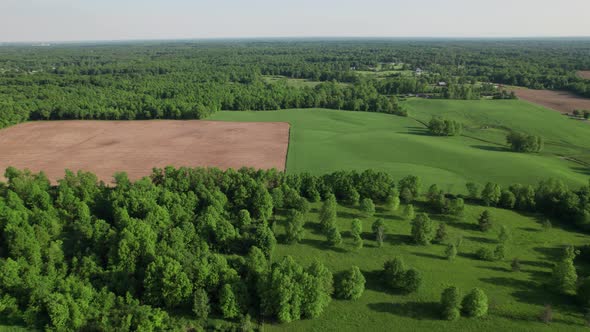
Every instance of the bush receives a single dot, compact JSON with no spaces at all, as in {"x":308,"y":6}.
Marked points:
{"x":451,"y":303}
{"x":475,"y":304}
{"x":351,"y":284}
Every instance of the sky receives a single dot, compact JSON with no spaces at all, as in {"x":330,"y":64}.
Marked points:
{"x":89,"y":20}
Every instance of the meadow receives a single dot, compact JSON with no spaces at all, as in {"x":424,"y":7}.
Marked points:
{"x":328,"y":140}
{"x":516,"y":298}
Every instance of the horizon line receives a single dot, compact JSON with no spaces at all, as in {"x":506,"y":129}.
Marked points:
{"x":253,"y":38}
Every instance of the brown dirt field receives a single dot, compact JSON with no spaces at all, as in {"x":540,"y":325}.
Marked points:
{"x":106,"y":147}
{"x":561,"y":101}
{"x":585,"y":74}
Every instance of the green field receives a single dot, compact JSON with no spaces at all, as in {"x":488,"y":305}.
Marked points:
{"x":516,"y":298}
{"x":328,"y":140}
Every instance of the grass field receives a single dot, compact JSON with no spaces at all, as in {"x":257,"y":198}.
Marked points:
{"x":324,"y":140}
{"x":516,"y":298}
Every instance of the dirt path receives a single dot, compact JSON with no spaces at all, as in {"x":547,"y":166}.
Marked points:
{"x":106,"y":147}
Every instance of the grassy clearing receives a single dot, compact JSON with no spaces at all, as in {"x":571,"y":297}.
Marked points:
{"x":516,"y":298}
{"x":325,"y":140}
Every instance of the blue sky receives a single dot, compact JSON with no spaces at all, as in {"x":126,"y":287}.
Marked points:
{"x":66,"y":20}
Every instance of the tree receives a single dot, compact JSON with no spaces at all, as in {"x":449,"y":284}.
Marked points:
{"x":351,"y":284}
{"x":473,"y":189}
{"x":201,"y":304}
{"x":504,"y":235}
{"x":520,"y":142}
{"x":441,"y":233}
{"x":515,"y":265}
{"x":166,"y":284}
{"x":328,"y":213}
{"x":491,"y":194}
{"x":451,"y":303}
{"x":379,"y":230}
{"x":451,"y":252}
{"x":294,"y":230}
{"x":507,"y":199}
{"x":356,"y":231}
{"x":393,"y":273}
{"x":485,"y":221}
{"x":412,"y":281}
{"x":475,"y":303}
{"x":367,"y":207}
{"x":409,"y":212}
{"x":422,"y":229}
{"x":564,"y":274}
{"x":409,"y":188}
{"x":265,"y":240}
{"x":228,"y":303}
{"x":392,"y":202}
{"x":333,"y":236}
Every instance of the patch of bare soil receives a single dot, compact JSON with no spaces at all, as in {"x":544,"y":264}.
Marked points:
{"x":561,"y":101}
{"x":107,"y":147}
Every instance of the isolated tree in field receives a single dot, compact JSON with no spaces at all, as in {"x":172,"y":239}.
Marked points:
{"x":201,"y":306}
{"x":367,"y":207}
{"x":409,"y":212}
{"x":515,"y":265}
{"x":351,"y":284}
{"x":393,"y":273}
{"x":441,"y":233}
{"x":491,"y":194}
{"x":392,"y":202}
{"x":379,"y":230}
{"x":334,"y":237}
{"x":520,"y":142}
{"x":294,"y":229}
{"x":473,"y":189}
{"x":451,"y":252}
{"x":412,"y":281}
{"x":328,"y":213}
{"x":564,"y":274}
{"x":500,"y":252}
{"x":451,"y":303}
{"x":485,"y":221}
{"x":422,"y":229}
{"x":475,"y":304}
{"x":356,"y":231}
{"x":504,"y":235}
{"x":228,"y":303}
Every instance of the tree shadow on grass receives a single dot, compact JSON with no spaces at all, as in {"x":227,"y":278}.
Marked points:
{"x":491,"y":148}
{"x":389,"y":217}
{"x":551,"y":254}
{"x":417,"y":131}
{"x":582,"y":170}
{"x":399,"y":239}
{"x":465,"y":226}
{"x":432,"y":256}
{"x":322,"y":245}
{"x":468,"y":255}
{"x":348,"y":215}
{"x":532,"y":292}
{"x":415,"y":310}
{"x":481,"y":239}
{"x":314,"y":227}
{"x":545,"y":265}
{"x":495,"y":268}
{"x":530,"y":229}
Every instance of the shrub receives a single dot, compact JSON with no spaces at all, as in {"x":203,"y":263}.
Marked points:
{"x":485,"y":254}
{"x":451,"y":303}
{"x":451,"y":252}
{"x":351,"y":284}
{"x":475,"y":304}
{"x":485,"y":221}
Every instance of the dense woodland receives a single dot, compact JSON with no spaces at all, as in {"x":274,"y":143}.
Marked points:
{"x":189,"y":80}
{"x":199,"y":243}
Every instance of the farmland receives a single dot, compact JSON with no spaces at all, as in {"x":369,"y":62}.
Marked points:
{"x":324,"y":140}
{"x":561,"y":101}
{"x":274,"y":185}
{"x":105,"y":147}
{"x":585,"y":74}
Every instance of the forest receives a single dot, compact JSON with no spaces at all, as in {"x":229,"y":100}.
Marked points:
{"x":200,"y":242}
{"x":190,"y":80}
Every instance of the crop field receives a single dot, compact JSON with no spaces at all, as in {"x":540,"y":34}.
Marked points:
{"x":585,"y":74}
{"x":561,"y":101}
{"x":516,"y":298}
{"x":324,"y":140}
{"x":106,"y":147}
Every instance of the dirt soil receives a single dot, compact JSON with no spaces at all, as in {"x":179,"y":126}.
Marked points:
{"x":585,"y":74}
{"x":561,"y":101}
{"x":107,"y":147}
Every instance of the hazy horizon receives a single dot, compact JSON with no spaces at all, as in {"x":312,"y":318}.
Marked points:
{"x":129,"y":20}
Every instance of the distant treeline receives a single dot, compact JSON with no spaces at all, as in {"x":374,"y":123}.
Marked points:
{"x":191,"y":80}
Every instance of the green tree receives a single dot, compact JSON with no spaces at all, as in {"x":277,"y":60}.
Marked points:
{"x":334,"y":237}
{"x":491,"y":194}
{"x":409,"y":212}
{"x":166,"y":284}
{"x":328,"y":213}
{"x":351,"y":284}
{"x":356,"y":231}
{"x":473,"y":189}
{"x":504,"y":235}
{"x":228,"y":303}
{"x":564,"y":274}
{"x":392,"y":202}
{"x":441,"y":233}
{"x":422,"y":229}
{"x":451,"y":303}
{"x":451,"y":252}
{"x":367,"y":207}
{"x":475,"y":303}
{"x":294,"y":229}
{"x":379,"y":230}
{"x":485,"y":221}
{"x":409,"y":188}
{"x":201,"y":304}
